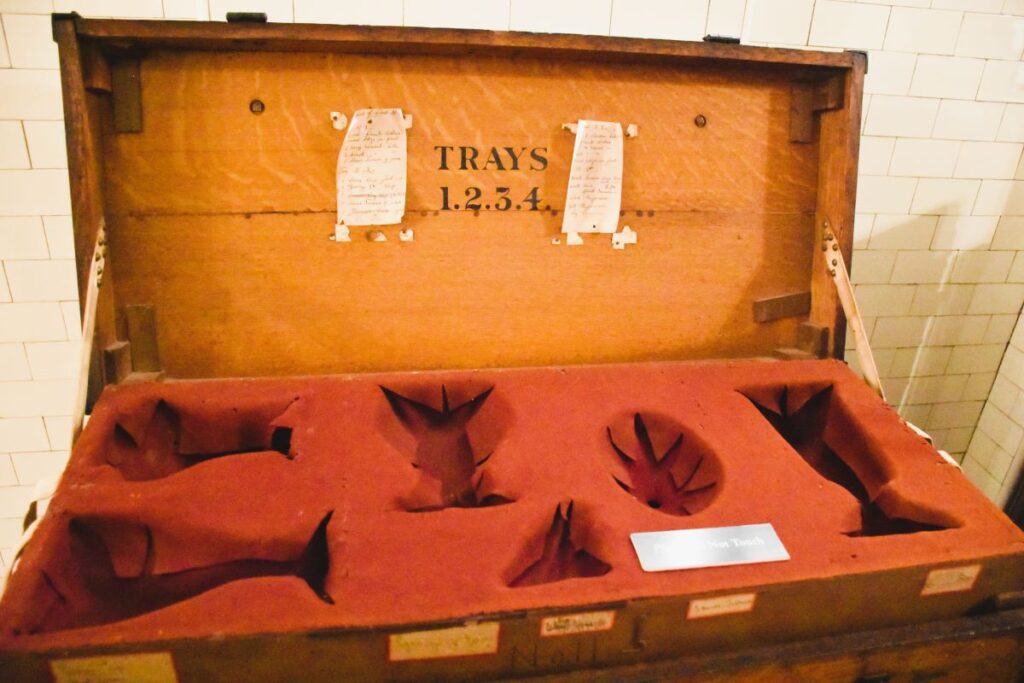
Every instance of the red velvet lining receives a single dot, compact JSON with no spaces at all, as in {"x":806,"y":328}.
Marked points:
{"x":523,"y":503}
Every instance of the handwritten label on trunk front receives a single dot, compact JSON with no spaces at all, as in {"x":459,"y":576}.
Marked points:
{"x":145,"y":667}
{"x":724,"y":604}
{"x":594,"y":194}
{"x":951,"y":580}
{"x":459,"y":641}
{"x":372,"y":169}
{"x":584,"y":622}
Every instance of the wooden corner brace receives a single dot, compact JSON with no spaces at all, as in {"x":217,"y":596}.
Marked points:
{"x":126,"y":93}
{"x":809,"y":98}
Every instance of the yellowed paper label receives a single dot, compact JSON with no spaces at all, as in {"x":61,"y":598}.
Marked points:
{"x":584,"y":622}
{"x":724,"y":604}
{"x":372,"y":169}
{"x":594,"y":194}
{"x":145,"y":667}
{"x":951,"y":580}
{"x":460,"y":641}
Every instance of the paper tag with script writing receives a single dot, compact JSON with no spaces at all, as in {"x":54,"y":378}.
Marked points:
{"x":459,"y":641}
{"x":951,"y":580}
{"x":594,"y":193}
{"x":737,"y":603}
{"x":583,"y":622}
{"x":372,"y":169}
{"x":145,"y":667}
{"x":660,"y":551}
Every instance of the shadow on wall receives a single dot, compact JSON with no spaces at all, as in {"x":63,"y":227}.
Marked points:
{"x":939,"y":345}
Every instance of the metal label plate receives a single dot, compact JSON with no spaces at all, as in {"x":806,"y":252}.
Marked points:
{"x":660,"y":551}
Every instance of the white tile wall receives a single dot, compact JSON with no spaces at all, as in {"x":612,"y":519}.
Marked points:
{"x":885,"y":195}
{"x":30,"y":41}
{"x":46,"y":146}
{"x":13,"y":152}
{"x":889,"y":73}
{"x":845,"y":24}
{"x":34,"y":192}
{"x":952,"y":77}
{"x":13,"y":363}
{"x":778,"y":21}
{"x":903,"y":116}
{"x":31,"y":94}
{"x":939,"y":267}
{"x":1000,"y":197}
{"x":944,"y":197}
{"x":26,"y":6}
{"x":925,"y":158}
{"x":187,"y":9}
{"x":922,"y":31}
{"x":875,"y":155}
{"x":1001,"y":82}
{"x":988,"y":160}
{"x":50,"y":280}
{"x":670,"y":19}
{"x":902,"y":231}
{"x":127,"y":9}
{"x":1012,"y":127}
{"x":965,"y":120}
{"x":725,"y":17}
{"x":568,"y":16}
{"x":362,"y":12}
{"x":973,"y":5}
{"x":964,"y":232}
{"x":990,"y":36}
{"x":31,"y":322}
{"x":5,"y":59}
{"x":484,"y":14}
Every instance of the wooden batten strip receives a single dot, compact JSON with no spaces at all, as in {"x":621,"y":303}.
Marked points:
{"x":783,"y":306}
{"x":126,"y":94}
{"x":141,"y":322}
{"x":95,"y":70}
{"x":117,"y":362}
{"x":807,"y":99}
{"x":813,"y":339}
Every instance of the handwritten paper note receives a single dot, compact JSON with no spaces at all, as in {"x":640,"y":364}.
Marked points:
{"x":371,"y":169}
{"x":594,"y":195}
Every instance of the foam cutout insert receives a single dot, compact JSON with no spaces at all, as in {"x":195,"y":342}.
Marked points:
{"x":193,"y":508}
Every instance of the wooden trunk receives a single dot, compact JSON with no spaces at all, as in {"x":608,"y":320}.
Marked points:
{"x":247,"y":503}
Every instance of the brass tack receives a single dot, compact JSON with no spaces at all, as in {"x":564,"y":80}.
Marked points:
{"x":835,"y":247}
{"x":835,"y":262}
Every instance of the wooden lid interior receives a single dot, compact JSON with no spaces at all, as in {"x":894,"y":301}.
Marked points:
{"x":219,"y":218}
